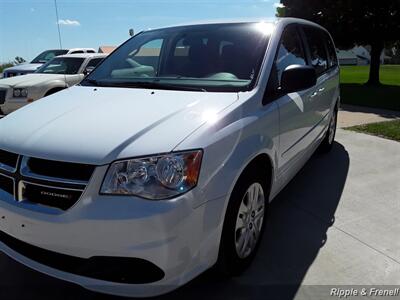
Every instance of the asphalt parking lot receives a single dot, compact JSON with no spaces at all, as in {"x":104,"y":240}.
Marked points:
{"x":337,"y":223}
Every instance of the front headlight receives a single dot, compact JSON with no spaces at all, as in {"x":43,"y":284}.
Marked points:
{"x":155,"y":177}
{"x":20,"y":93}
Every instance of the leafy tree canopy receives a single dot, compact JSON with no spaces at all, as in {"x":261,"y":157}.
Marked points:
{"x":19,"y":60}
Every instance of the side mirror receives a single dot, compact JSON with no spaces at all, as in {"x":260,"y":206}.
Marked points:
{"x":297,"y":77}
{"x":88,"y":70}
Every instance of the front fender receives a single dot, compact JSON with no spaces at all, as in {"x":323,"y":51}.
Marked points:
{"x":230,"y":146}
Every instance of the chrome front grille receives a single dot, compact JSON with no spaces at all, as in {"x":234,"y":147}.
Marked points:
{"x":43,"y":182}
{"x":56,"y":171}
{"x":62,"y":198}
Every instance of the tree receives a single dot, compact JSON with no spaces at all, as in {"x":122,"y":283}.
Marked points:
{"x":19,"y":60}
{"x":351,"y":22}
{"x":5,"y":66}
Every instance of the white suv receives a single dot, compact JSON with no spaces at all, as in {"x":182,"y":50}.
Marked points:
{"x":41,"y":59}
{"x":163,"y":161}
{"x":59,"y":73}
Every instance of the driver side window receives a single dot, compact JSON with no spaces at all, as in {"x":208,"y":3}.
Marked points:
{"x":290,"y":52}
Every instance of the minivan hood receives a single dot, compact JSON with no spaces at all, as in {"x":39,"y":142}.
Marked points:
{"x":99,"y":125}
{"x":30,"y":79}
{"x":23,"y":67}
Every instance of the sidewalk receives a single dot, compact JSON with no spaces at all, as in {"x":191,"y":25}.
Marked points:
{"x":350,"y":115}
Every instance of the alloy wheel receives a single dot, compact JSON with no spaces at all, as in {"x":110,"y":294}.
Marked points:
{"x":249,"y":220}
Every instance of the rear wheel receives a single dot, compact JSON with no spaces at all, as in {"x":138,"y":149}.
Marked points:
{"x":329,"y":138}
{"x":243,"y":226}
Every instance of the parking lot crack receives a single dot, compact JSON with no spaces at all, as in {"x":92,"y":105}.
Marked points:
{"x":319,"y":218}
{"x":366,"y":244}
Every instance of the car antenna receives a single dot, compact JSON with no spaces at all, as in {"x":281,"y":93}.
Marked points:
{"x":59,"y":36}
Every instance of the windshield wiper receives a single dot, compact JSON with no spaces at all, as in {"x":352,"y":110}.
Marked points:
{"x":149,"y":85}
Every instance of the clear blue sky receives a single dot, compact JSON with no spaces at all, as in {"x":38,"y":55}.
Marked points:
{"x":28,"y":27}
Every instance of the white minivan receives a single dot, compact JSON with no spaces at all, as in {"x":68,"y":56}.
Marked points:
{"x":162,"y":162}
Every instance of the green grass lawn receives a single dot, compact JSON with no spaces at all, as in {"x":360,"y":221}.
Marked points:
{"x":353,"y":90}
{"x":389,"y":129}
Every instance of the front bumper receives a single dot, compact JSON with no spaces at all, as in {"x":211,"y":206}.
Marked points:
{"x":9,"y":103}
{"x":172,"y":235}
{"x":12,"y":104}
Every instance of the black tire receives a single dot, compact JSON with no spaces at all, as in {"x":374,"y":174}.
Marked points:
{"x":329,"y":139}
{"x":229,"y":263}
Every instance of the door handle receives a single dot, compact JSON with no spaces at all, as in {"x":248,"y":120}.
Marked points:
{"x":314,"y":94}
{"x":321,"y":90}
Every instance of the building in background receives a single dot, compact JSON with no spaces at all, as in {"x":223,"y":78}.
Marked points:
{"x":107,"y":49}
{"x":347,"y":58}
{"x":359,"y":56}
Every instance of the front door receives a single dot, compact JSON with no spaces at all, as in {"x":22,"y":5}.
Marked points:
{"x":295,"y":109}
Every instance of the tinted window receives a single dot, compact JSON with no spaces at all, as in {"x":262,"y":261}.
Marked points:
{"x":217,"y":57}
{"x":48,"y":55}
{"x":90,"y":51}
{"x":94,"y":62}
{"x":76,"y":52}
{"x":332,"y":59}
{"x":290,"y":51}
{"x":319,"y":59}
{"x":62,"y":65}
{"x":144,"y":61}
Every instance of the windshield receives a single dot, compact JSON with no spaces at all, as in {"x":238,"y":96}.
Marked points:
{"x":62,"y":65}
{"x":216,"y":57}
{"x":45,"y":56}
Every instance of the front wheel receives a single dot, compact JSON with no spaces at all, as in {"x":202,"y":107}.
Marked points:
{"x":243,"y":226}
